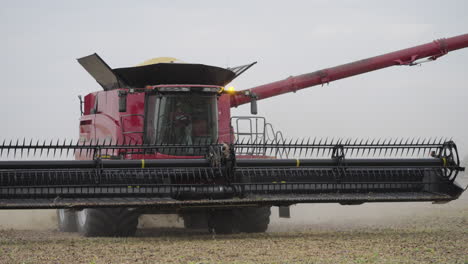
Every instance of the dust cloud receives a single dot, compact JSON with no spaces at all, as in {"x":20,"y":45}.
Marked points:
{"x":303,"y":217}
{"x":28,"y":219}
{"x":372,"y":215}
{"x":47,"y":220}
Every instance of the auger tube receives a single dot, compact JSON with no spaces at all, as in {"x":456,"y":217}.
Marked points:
{"x":409,"y":56}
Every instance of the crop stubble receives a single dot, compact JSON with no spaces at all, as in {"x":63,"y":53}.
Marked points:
{"x":321,"y":234}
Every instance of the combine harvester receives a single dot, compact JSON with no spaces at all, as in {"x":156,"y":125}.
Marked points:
{"x":160,"y":139}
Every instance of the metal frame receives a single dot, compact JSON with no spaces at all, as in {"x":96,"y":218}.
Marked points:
{"x":346,"y":176}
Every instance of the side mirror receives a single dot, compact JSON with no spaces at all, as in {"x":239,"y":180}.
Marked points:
{"x":253,"y":105}
{"x":122,"y":101}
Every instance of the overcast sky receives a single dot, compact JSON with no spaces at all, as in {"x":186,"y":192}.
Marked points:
{"x":41,"y":78}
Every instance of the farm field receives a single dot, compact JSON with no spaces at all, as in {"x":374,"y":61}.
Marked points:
{"x":370,"y":233}
{"x":200,"y":107}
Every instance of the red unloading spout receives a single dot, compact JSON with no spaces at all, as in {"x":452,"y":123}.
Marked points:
{"x":409,"y":56}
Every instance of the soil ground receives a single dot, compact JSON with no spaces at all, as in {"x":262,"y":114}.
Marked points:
{"x":369,"y":233}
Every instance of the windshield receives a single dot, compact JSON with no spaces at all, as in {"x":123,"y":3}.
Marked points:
{"x":181,"y":118}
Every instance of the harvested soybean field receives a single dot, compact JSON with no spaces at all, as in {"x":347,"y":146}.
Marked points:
{"x":321,"y":233}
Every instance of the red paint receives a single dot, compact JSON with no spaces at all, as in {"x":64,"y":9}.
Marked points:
{"x":408,"y":56}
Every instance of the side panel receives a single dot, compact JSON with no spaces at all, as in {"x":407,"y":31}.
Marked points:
{"x":89,"y":101}
{"x":122,"y":127}
{"x":224,"y":118}
{"x":102,"y":121}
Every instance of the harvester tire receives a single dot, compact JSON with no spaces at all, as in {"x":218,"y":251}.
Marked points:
{"x":195,"y":220}
{"x":223,"y":222}
{"x":66,"y":219}
{"x":254,"y":220}
{"x":117,"y":222}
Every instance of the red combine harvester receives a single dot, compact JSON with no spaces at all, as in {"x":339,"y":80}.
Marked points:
{"x":160,"y":138}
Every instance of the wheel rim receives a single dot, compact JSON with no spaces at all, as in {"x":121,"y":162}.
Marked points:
{"x":82,"y":216}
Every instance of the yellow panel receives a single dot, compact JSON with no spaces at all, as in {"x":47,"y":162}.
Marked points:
{"x":160,"y":60}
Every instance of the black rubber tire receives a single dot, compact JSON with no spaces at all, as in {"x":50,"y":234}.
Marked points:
{"x":66,"y":220}
{"x":195,"y":220}
{"x":254,"y":220}
{"x":223,"y":222}
{"x":117,"y":222}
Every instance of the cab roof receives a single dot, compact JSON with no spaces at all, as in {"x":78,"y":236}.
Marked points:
{"x":157,"y":74}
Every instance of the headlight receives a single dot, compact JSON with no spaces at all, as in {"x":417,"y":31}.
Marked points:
{"x":210,"y":89}
{"x":174,"y":89}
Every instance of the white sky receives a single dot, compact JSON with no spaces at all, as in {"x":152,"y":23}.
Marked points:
{"x":41,"y":78}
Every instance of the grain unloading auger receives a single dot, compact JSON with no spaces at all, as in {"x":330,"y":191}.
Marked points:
{"x":159,"y":139}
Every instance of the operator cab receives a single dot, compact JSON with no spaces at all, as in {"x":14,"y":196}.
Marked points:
{"x":182,"y":115}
